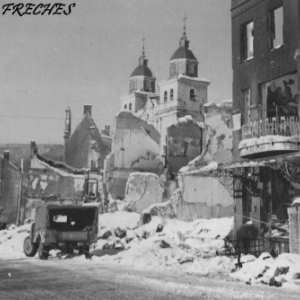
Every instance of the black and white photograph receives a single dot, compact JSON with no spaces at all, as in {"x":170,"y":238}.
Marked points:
{"x":150,"y":149}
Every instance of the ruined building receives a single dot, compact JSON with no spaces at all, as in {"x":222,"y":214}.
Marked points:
{"x":265,"y":60}
{"x":79,"y":177}
{"x":158,"y":130}
{"x":86,"y":147}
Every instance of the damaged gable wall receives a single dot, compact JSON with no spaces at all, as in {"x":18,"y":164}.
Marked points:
{"x":85,"y":147}
{"x":136,"y":144}
{"x":135,"y":148}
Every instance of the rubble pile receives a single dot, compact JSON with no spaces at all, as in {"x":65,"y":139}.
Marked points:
{"x":161,"y":242}
{"x":285,"y":269}
{"x":172,"y":245}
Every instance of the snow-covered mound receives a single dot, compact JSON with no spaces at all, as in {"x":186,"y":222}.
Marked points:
{"x":118,"y":219}
{"x":283,"y":270}
{"x":11,"y":241}
{"x":171,"y":243}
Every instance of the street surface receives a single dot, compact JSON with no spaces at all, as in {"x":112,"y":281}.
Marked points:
{"x":72,"y":279}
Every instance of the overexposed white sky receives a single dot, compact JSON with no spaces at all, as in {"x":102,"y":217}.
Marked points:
{"x":50,"y":62}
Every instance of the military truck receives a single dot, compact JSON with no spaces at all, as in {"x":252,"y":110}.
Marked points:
{"x":63,"y":227}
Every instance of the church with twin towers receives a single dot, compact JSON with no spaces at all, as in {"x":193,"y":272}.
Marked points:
{"x":181,"y":93}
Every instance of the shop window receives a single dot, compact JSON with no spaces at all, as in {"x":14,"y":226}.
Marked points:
{"x":247,"y":41}
{"x":171,"y":94}
{"x":276,"y":27}
{"x":192,"y":95}
{"x":165,"y":96}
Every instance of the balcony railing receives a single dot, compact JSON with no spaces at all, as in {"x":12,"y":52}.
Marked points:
{"x":284,"y":126}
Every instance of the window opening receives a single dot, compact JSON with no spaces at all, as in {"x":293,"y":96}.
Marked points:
{"x":165,"y":96}
{"x":276,"y":28}
{"x":247,"y":41}
{"x":192,"y":95}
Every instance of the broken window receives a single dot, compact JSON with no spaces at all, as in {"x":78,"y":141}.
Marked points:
{"x":171,"y":94}
{"x":247,"y":40}
{"x":192,"y":95}
{"x":165,"y":96}
{"x":247,"y":104}
{"x":276,"y":27}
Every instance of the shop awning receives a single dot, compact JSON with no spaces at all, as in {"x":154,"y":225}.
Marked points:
{"x":262,"y":162}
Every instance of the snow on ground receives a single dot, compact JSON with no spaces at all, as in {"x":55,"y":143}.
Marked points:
{"x":173,"y":245}
{"x":11,"y":241}
{"x":285,"y":269}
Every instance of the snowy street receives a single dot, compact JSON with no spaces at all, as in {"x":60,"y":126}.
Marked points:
{"x":80,"y":279}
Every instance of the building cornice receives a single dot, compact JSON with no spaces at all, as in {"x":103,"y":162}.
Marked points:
{"x":243,"y":6}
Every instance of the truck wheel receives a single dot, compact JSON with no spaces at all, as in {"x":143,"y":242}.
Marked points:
{"x":87,"y":252}
{"x":80,"y":250}
{"x":43,"y":252}
{"x":29,"y":248}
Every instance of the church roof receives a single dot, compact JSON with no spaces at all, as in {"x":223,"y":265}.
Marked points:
{"x":142,"y":70}
{"x":183,"y":52}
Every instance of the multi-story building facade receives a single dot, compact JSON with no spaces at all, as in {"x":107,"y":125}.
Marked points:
{"x":265,"y":43}
{"x":265,"y":61}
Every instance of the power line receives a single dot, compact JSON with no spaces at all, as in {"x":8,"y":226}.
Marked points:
{"x":49,"y":118}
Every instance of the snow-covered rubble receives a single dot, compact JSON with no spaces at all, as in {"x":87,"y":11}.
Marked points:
{"x":283,"y":270}
{"x":168,"y":243}
{"x":173,"y":245}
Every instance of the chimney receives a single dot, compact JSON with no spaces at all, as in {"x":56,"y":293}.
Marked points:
{"x":68,"y":123}
{"x":107,"y":130}
{"x":87,"y":109}
{"x":6,"y":155}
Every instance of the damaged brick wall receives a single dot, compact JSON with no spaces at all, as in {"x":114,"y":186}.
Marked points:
{"x":219,"y":120}
{"x":184,"y":143}
{"x":144,"y":190}
{"x":10,"y":189}
{"x":202,"y":197}
{"x":47,"y":184}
